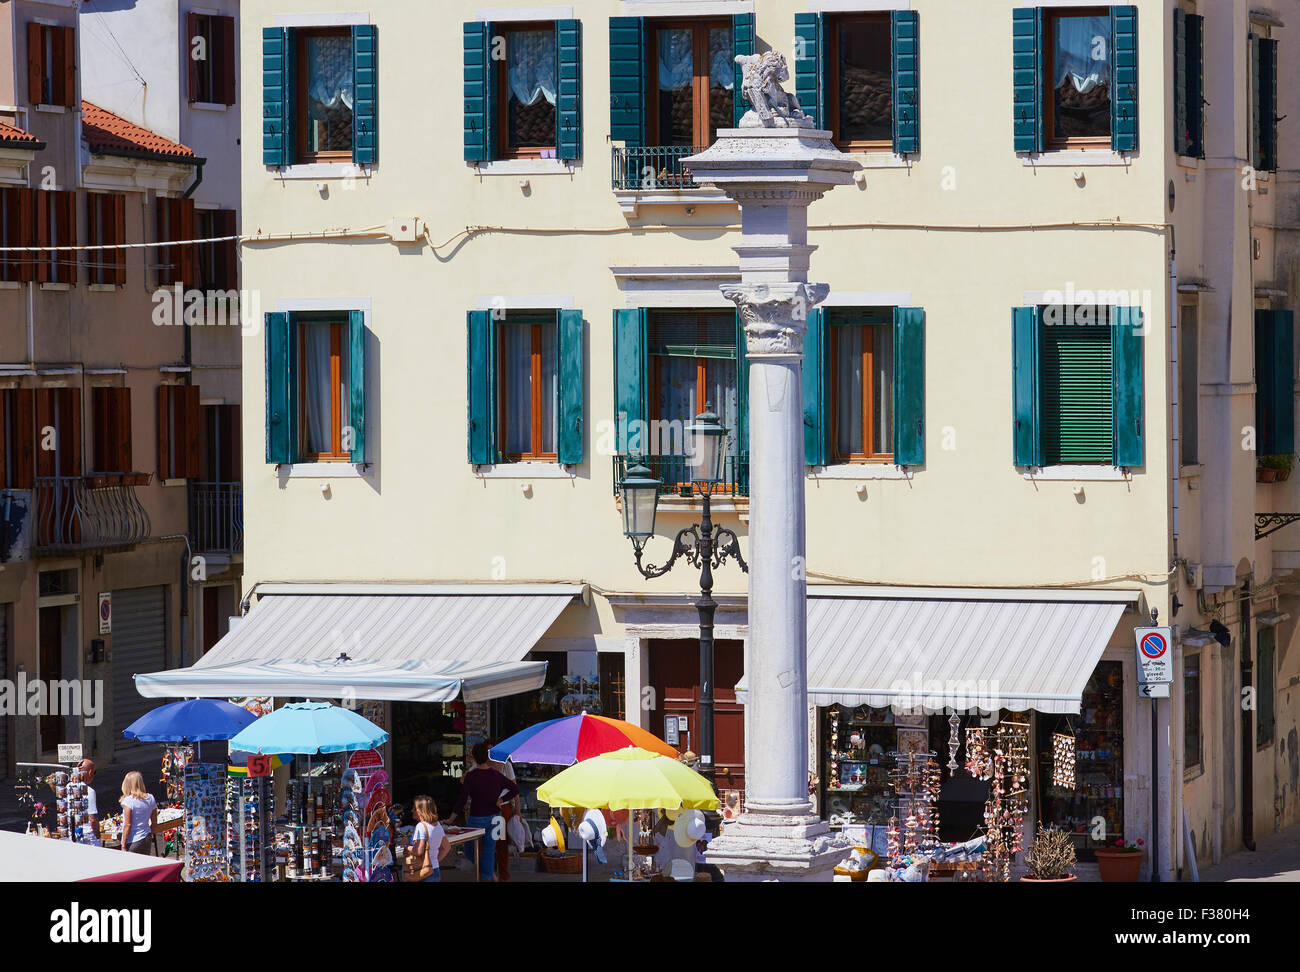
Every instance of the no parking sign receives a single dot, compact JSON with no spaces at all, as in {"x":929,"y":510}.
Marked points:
{"x":1154,"y":657}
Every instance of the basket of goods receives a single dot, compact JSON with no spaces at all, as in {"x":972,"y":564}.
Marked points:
{"x":560,"y":862}
{"x":858,"y":864}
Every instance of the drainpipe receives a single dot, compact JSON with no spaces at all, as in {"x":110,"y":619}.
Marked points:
{"x":198,"y":178}
{"x":187,"y":359}
{"x":1247,"y":726}
{"x":1174,"y":388}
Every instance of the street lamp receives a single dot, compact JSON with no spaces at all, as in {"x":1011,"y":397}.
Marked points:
{"x":703,"y":544}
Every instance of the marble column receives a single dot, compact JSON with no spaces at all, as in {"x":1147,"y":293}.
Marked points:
{"x":774,"y":169}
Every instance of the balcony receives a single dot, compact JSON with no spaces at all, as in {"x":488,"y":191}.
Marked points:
{"x":93,"y":512}
{"x":650,"y":175}
{"x":674,"y":472}
{"x":217,"y":518}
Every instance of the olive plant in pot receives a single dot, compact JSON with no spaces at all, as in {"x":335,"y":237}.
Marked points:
{"x":1051,"y":858}
{"x":1120,"y":861}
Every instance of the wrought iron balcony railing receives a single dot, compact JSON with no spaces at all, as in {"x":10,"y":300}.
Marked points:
{"x":648,"y":167}
{"x":91,"y":512}
{"x":217,"y":518}
{"x":675,"y":473}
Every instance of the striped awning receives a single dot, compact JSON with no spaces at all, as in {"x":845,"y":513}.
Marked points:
{"x":964,"y":650}
{"x":386,"y":642}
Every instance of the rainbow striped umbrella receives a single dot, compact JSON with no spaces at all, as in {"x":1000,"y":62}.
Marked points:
{"x":571,"y":739}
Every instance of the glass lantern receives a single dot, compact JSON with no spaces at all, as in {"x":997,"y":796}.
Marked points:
{"x":640,"y":494}
{"x":706,"y":444}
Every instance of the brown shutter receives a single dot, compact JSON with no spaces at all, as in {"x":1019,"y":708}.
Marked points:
{"x":122,"y":430}
{"x":35,"y":62}
{"x":100,"y":421}
{"x":43,"y":217}
{"x":44,"y":419}
{"x":70,"y":440}
{"x":10,"y":262}
{"x":68,"y":42}
{"x":162,"y":218}
{"x":187,"y":225}
{"x":223,"y":39}
{"x":22,"y":475}
{"x":192,"y":66}
{"x":227,"y":254}
{"x":190,"y":431}
{"x":27,"y":233}
{"x":94,"y":272}
{"x":234,"y":458}
{"x":65,"y":213}
{"x":164,"y":432}
{"x":119,"y":236}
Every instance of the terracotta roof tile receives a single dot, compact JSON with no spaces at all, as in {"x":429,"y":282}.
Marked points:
{"x":109,"y":134}
{"x":16,"y":136}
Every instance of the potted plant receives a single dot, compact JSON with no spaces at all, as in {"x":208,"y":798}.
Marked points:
{"x":1051,"y":858}
{"x":1120,"y":861}
{"x":1274,"y":468}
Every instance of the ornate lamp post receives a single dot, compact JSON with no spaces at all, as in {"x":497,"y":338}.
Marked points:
{"x":704,"y":545}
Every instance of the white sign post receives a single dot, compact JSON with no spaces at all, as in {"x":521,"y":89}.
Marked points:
{"x":106,"y":613}
{"x":1155,"y":665}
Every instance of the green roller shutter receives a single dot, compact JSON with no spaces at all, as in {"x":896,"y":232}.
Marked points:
{"x":1075,"y":394}
{"x":810,"y":66}
{"x":479,"y":386}
{"x":1267,"y":105}
{"x":568,"y":117}
{"x":365,"y":88}
{"x":1274,"y":383}
{"x":742,"y":387}
{"x":905,"y":51}
{"x":630,"y":379}
{"x":478,"y":91}
{"x":815,"y":427}
{"x":742,"y":42}
{"x":1182,"y":133}
{"x":1026,"y":78}
{"x":909,"y":386}
{"x":279,"y":386}
{"x":357,"y":383}
{"x":1196,"y":85}
{"x":1127,"y":346}
{"x":569,"y":323}
{"x":1124,"y":79}
{"x":277,"y":83}
{"x":627,"y":79}
{"x":1026,"y":439}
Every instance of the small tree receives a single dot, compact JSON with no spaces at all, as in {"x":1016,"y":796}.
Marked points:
{"x":1052,"y":855}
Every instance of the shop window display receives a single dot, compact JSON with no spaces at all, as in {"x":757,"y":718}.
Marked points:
{"x":855,"y":780}
{"x":1098,"y":789}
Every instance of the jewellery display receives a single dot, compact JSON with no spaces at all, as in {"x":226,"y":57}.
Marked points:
{"x":978,"y":763}
{"x":1004,"y":814}
{"x":915,"y":779}
{"x":1063,"y":759}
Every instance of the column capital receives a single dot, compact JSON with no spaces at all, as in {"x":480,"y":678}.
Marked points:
{"x":773,"y":314}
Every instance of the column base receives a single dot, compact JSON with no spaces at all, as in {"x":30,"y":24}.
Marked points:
{"x":777,"y":847}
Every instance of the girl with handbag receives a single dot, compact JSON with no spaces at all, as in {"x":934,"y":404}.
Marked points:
{"x":429,"y":844}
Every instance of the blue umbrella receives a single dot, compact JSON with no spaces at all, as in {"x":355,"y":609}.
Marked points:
{"x":190,"y":720}
{"x":309,"y":727}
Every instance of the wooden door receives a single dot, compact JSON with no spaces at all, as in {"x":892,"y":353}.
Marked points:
{"x":675,"y":677}
{"x":51,"y":649}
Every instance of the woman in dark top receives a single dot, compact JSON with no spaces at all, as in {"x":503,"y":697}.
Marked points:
{"x":485,"y":789}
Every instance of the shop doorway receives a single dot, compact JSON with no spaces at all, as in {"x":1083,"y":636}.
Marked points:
{"x":675,"y":678}
{"x":50,"y":637}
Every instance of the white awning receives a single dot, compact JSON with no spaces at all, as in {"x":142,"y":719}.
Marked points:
{"x":972,"y":650}
{"x":413,"y":644}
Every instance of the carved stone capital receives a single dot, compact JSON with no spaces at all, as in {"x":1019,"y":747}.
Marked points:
{"x":774,"y":314}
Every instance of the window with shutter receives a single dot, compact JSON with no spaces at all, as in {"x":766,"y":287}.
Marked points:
{"x":55,"y":218}
{"x":1077,"y":397}
{"x":210,"y":56}
{"x":1263,"y":73}
{"x":106,"y":226}
{"x":111,"y":423}
{"x":179,"y":426}
{"x":17,"y":229}
{"x":1265,"y":686}
{"x":175,"y":221}
{"x":58,"y":424}
{"x":216,"y":263}
{"x":17,"y":439}
{"x":1274,"y":383}
{"x":51,"y":64}
{"x":860,"y":383}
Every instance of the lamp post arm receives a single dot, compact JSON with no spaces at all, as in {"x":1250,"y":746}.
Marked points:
{"x":727,"y":544}
{"x":681,"y":547}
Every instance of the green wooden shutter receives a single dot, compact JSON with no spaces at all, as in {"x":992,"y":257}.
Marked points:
{"x":815,"y":427}
{"x":1182,"y":133}
{"x":627,"y":79}
{"x":568,"y":117}
{"x":742,"y":42}
{"x":1026,"y":78}
{"x":1075,"y":393}
{"x":569,"y":325}
{"x":742,"y":388}
{"x":810,"y":66}
{"x":1256,"y":145}
{"x":279,"y":389}
{"x":277,"y":77}
{"x":1196,"y":84}
{"x":1274,"y":383}
{"x":909,"y":386}
{"x":357,"y":383}
{"x":1127,"y":346}
{"x":1123,"y":79}
{"x":482,"y":447}
{"x":905,"y":51}
{"x":478,"y":91}
{"x":1267,"y":105}
{"x":1027,"y":443}
{"x":630,"y":379}
{"x":365,"y":88}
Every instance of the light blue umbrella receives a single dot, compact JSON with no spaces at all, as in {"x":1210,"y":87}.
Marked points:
{"x":309,"y":727}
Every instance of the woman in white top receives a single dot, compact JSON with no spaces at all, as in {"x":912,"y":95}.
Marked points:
{"x":429,"y":838}
{"x":139,"y":814}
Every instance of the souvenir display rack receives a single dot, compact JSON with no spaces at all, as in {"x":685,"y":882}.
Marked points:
{"x":915,"y":824}
{"x":369,"y":826}
{"x":248,"y":812}
{"x":856,"y":787}
{"x":205,"y":816}
{"x":1004,"y":814}
{"x":306,"y":835}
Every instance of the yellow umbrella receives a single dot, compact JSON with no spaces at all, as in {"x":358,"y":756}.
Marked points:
{"x":629,"y":779}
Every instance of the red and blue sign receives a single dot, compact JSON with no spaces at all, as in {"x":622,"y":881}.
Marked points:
{"x":1153,"y":645}
{"x":1154,"y":658}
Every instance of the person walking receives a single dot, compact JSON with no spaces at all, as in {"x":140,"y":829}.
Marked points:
{"x":139,"y":814}
{"x":429,"y":844}
{"x":87,"y":767}
{"x":484,"y":789}
{"x":509,"y":809}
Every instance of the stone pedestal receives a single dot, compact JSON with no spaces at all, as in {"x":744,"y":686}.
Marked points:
{"x":775,"y":173}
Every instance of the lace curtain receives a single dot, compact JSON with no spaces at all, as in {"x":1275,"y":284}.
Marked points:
{"x":1082,"y":52}
{"x":329,"y":61}
{"x":677,"y":60}
{"x":530,"y":60}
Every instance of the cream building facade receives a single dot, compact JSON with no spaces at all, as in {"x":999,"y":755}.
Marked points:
{"x":1021,"y":508}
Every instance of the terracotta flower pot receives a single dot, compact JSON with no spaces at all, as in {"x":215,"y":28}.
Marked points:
{"x":1283,"y":475}
{"x":1265,"y":474}
{"x":1061,"y":880}
{"x":1118,"y":865}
